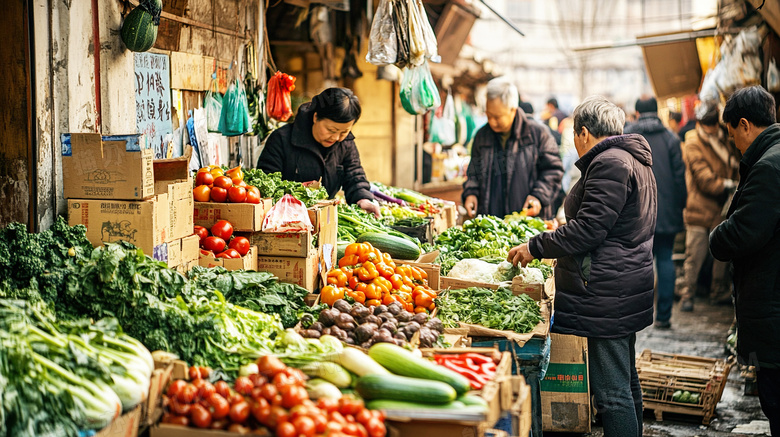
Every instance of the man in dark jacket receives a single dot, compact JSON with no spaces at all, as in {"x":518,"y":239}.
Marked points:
{"x":514,"y":161}
{"x":604,"y":275}
{"x":669,"y":171}
{"x":750,"y":239}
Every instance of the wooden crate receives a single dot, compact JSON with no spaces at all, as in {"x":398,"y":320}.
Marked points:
{"x":662,"y":374}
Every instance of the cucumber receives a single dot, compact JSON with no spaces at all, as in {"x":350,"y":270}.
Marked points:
{"x":385,"y":404}
{"x":358,"y":362}
{"x":397,"y":247}
{"x":330,"y":372}
{"x":472,"y":400}
{"x":401,"y":388}
{"x":341,"y":247}
{"x":402,"y":362}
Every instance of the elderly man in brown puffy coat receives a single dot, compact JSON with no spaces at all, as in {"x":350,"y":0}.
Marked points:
{"x":711,"y":174}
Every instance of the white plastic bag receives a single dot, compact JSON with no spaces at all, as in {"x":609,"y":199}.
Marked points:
{"x":382,"y":44}
{"x":474,"y":270}
{"x":288,"y":215}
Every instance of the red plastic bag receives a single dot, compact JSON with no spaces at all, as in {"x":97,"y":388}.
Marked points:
{"x":288,"y":215}
{"x":278,"y":102}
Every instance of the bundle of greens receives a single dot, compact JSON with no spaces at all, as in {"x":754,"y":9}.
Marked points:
{"x":257,"y":291}
{"x":272,"y":185}
{"x":58,"y":378}
{"x":494,"y":309}
{"x":353,"y":222}
{"x":33,"y":266}
{"x":484,"y":237}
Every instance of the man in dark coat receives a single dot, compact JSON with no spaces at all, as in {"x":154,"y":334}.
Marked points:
{"x":604,"y":275}
{"x":514,"y":161}
{"x":669,"y":171}
{"x":750,"y":239}
{"x":333,"y":158}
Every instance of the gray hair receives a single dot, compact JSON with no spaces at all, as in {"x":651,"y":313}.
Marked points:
{"x":501,"y":88}
{"x":602,"y":117}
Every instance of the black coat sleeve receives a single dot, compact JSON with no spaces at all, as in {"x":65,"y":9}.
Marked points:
{"x":755,"y":219}
{"x":273,"y":155}
{"x":678,"y":171}
{"x":354,"y":183}
{"x":549,"y":170}
{"x":605,"y":194}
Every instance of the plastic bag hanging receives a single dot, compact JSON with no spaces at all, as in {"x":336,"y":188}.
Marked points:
{"x":418,"y":90}
{"x":234,"y":119}
{"x":443,"y":129}
{"x":278,"y":101}
{"x":212,"y":102}
{"x":401,"y":23}
{"x":382,"y":43}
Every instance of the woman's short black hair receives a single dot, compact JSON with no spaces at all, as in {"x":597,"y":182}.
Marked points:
{"x":752,"y":103}
{"x":337,"y":104}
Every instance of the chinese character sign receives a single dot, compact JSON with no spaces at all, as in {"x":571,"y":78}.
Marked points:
{"x":153,"y":99}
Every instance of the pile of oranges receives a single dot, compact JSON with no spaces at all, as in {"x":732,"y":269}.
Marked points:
{"x":213,"y":184}
{"x":372,"y":278}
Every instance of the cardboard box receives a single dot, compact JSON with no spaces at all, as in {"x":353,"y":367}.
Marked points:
{"x":245,"y":217}
{"x":144,"y":223}
{"x":565,"y":390}
{"x":172,"y":176}
{"x":295,"y":270}
{"x":324,"y":219}
{"x":672,"y":79}
{"x":246,"y":262}
{"x":190,"y":251}
{"x":152,"y":410}
{"x":107,"y":167}
{"x":166,"y":430}
{"x":125,"y":425}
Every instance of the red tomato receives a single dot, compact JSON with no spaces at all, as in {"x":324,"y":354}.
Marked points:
{"x":223,"y":388}
{"x":350,"y":405}
{"x":177,"y":420}
{"x":257,"y":379}
{"x":294,"y":396}
{"x":269,"y":366}
{"x":376,"y":428}
{"x":328,"y":405}
{"x":286,"y":429}
{"x":364,"y":416}
{"x":269,"y":392}
{"x":351,"y":429}
{"x":240,"y":244}
{"x":205,"y":252}
{"x":201,"y":193}
{"x":244,"y":385}
{"x":237,"y":194}
{"x":194,"y":373}
{"x":219,"y":424}
{"x":176,"y":387}
{"x":220,"y":406}
{"x":320,"y":423}
{"x":214,"y":244}
{"x":206,"y":390}
{"x":235,"y":398}
{"x":238,"y":182}
{"x":187,"y":394}
{"x":295,"y":375}
{"x":239,"y":429}
{"x":201,"y":232}
{"x":222,"y":229}
{"x":179,"y":408}
{"x":230,"y":254}
{"x":204,"y":178}
{"x":217,"y":194}
{"x":200,"y":416}
{"x":239,"y":412}
{"x":278,"y":415}
{"x":204,"y":372}
{"x":252,"y":197}
{"x":304,"y":426}
{"x":223,"y":182}
{"x":260,"y":409}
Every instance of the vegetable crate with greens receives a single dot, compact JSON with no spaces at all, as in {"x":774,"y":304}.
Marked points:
{"x":354,"y":222}
{"x":493,"y":309}
{"x":681,"y":384}
{"x":272,"y":185}
{"x":484,"y":237}
{"x":371,"y":277}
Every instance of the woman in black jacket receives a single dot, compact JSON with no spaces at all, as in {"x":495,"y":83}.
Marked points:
{"x":318,"y":145}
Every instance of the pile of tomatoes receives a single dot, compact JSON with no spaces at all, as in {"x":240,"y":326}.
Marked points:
{"x":214,"y":184}
{"x":372,"y":278}
{"x":221,"y":243}
{"x":273,"y":401}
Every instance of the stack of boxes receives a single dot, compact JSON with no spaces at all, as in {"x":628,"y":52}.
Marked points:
{"x":116,"y":189}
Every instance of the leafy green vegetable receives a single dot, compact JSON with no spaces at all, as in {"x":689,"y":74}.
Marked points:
{"x":258,"y":291}
{"x":494,"y":309}
{"x":484,"y":237}
{"x":272,"y":185}
{"x":353,"y":222}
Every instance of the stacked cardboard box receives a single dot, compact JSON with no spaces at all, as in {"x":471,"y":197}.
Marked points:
{"x":118,"y":192}
{"x":565,"y":390}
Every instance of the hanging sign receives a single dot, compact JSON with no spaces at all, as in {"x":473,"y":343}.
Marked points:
{"x":153,"y":100}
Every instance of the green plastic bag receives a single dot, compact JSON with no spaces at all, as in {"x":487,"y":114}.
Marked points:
{"x":418,"y":90}
{"x":234,"y":118}
{"x":212,"y":102}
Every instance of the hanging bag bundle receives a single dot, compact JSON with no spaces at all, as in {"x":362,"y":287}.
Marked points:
{"x":278,"y":102}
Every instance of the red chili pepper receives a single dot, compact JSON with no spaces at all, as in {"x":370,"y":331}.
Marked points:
{"x":477,"y":358}
{"x":477,"y":381}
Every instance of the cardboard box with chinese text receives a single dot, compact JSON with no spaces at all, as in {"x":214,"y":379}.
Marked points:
{"x":565,"y":390}
{"x":295,"y":270}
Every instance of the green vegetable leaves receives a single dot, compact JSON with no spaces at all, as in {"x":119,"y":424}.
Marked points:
{"x":272,"y":185}
{"x":494,"y":309}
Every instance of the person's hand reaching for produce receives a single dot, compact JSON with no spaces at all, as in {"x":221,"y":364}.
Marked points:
{"x":532,"y":206}
{"x":471,"y":205}
{"x":369,"y":206}
{"x":520,"y":254}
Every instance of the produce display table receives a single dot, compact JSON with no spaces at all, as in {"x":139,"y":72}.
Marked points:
{"x":529,"y":360}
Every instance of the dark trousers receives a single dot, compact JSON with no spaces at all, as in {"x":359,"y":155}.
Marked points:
{"x":663,"y":244}
{"x":614,"y":384}
{"x":769,"y":394}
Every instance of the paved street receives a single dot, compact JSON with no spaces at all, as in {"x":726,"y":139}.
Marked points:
{"x":701,"y":333}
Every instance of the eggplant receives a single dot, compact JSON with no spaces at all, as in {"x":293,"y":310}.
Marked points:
{"x":380,"y":309}
{"x":421,"y":318}
{"x":404,"y":316}
{"x":342,"y":306}
{"x":386,"y":317}
{"x":311,"y":333}
{"x":364,"y":332}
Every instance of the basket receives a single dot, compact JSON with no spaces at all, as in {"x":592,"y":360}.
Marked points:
{"x":661,"y":375}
